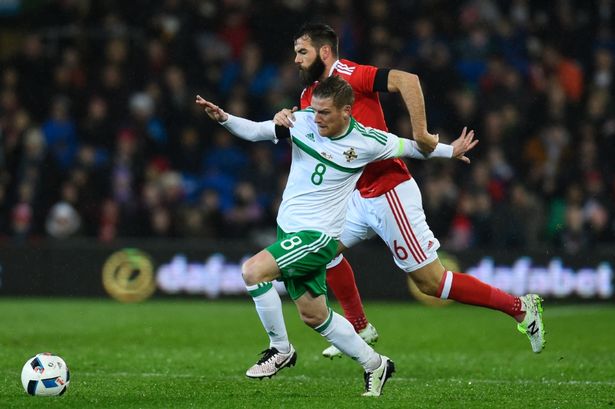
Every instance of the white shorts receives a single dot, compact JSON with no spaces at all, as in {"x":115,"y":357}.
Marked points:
{"x":398,"y":218}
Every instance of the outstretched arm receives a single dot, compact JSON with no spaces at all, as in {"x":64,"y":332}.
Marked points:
{"x":409,"y":86}
{"x":457,"y":149}
{"x":241,"y":127}
{"x":213,"y":111}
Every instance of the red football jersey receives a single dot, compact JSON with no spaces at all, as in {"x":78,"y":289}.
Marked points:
{"x":378,"y":177}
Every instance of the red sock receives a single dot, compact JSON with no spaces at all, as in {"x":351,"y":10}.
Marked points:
{"x":341,"y":281}
{"x":469,"y":290}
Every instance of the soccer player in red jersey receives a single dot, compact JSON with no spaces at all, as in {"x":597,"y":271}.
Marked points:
{"x":387,"y":200}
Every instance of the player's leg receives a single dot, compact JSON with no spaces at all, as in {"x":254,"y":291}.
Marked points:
{"x":340,"y":276}
{"x":302,"y":267}
{"x":405,"y":230}
{"x":341,"y":281}
{"x":336,"y":329}
{"x":293,"y":257}
{"x":339,"y":331}
{"x":433,"y":279}
{"x":258,"y":272}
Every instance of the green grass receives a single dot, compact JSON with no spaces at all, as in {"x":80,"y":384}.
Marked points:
{"x":193,"y":354}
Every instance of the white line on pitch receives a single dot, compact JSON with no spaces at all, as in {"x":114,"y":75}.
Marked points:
{"x":507,"y":381}
{"x":394,"y":379}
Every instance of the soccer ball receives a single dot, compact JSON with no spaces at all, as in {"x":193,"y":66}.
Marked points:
{"x":45,"y":375}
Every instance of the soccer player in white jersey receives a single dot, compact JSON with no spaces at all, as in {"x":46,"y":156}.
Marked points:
{"x":329,"y":151}
{"x":388,"y":201}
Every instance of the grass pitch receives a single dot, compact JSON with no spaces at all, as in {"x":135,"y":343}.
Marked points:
{"x":193,"y":354}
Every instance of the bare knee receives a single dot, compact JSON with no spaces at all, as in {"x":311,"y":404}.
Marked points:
{"x":427,"y":284}
{"x":250,"y":273}
{"x":260,"y":268}
{"x":428,"y":278}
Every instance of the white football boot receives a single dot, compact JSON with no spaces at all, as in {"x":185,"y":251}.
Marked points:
{"x":532,"y":324}
{"x":374,"y":381}
{"x":272,"y":362}
{"x":369,"y":335}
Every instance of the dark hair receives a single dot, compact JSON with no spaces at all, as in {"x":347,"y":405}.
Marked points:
{"x":320,"y":34}
{"x":337,"y":88}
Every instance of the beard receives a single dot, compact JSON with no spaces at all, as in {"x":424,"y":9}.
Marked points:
{"x":313,"y":72}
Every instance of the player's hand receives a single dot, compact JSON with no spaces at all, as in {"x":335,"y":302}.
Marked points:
{"x":463,"y":144}
{"x":427,"y":142}
{"x":214,"y":111}
{"x":285,"y":117}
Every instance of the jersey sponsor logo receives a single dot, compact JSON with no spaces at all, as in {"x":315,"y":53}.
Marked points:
{"x":350,"y":155}
{"x":310,"y":136}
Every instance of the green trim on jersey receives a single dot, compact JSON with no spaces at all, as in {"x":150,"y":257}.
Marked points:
{"x":353,"y":123}
{"x":378,"y":136}
{"x":302,"y":258}
{"x":308,"y":109}
{"x":318,"y":157}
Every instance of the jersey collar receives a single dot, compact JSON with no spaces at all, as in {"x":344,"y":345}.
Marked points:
{"x":350,"y":128}
{"x":333,"y":67}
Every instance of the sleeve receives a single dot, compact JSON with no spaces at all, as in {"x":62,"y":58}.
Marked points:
{"x":387,"y":144}
{"x":396,"y":147}
{"x":363,"y":78}
{"x":409,"y":148}
{"x":250,"y":130}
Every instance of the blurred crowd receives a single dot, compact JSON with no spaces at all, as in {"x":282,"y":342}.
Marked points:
{"x":100,"y":136}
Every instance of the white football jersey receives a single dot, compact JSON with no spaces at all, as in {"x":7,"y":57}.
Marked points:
{"x":324,"y":172}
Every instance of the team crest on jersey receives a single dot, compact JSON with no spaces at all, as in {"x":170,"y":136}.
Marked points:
{"x":310,"y":136}
{"x":350,"y":155}
{"x":326,"y":155}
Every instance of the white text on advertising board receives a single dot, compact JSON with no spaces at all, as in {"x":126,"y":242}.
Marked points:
{"x":213,"y":277}
{"x":552,"y":280}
